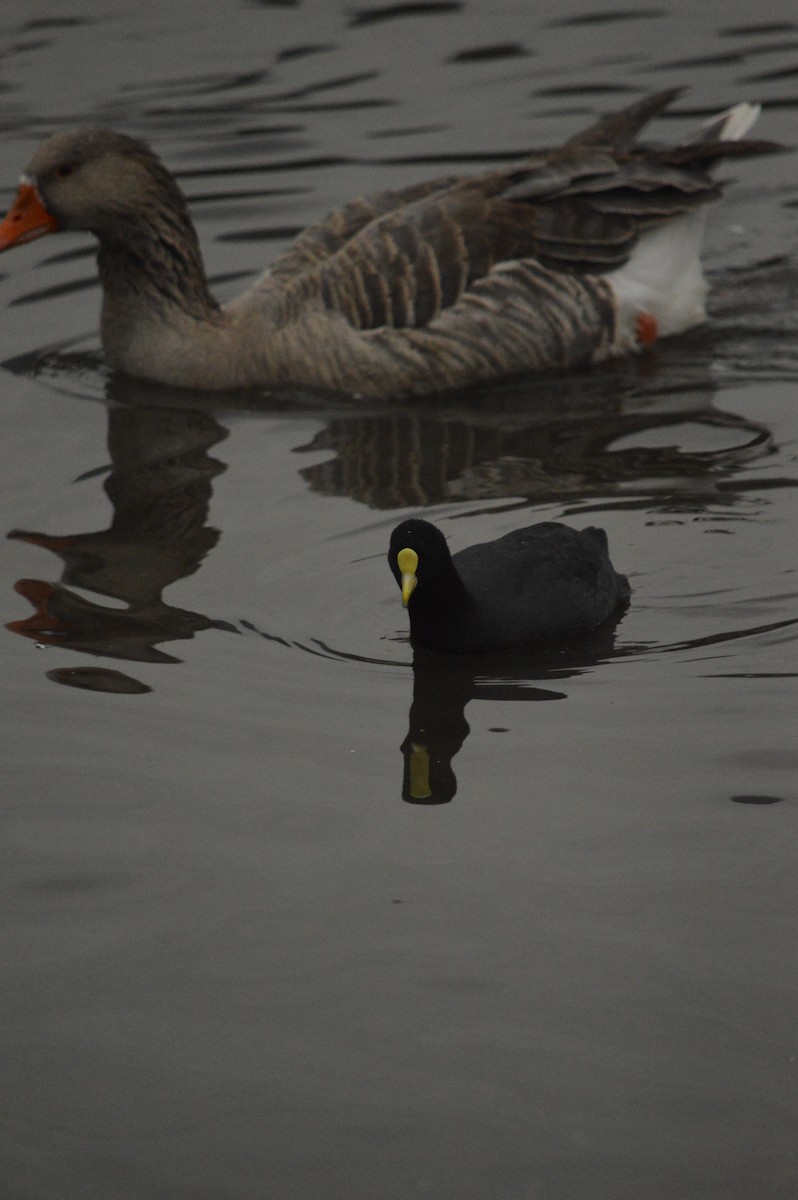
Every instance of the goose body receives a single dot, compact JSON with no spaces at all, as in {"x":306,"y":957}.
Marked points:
{"x":566,"y":258}
{"x":546,"y":583}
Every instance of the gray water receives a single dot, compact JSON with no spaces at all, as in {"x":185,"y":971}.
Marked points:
{"x":242,"y":959}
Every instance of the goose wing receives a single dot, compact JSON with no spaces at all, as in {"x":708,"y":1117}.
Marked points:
{"x":401,"y":259}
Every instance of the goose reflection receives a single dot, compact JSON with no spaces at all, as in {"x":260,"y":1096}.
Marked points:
{"x":443,"y":684}
{"x":566,"y":439}
{"x":160,"y":485}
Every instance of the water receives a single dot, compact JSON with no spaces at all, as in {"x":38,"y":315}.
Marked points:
{"x":245,"y":955}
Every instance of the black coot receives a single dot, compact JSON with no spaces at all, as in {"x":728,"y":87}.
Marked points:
{"x":545,"y":582}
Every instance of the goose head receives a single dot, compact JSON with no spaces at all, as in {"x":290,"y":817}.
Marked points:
{"x":96,"y":180}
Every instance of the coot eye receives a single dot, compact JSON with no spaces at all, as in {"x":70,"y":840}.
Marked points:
{"x":63,"y":170}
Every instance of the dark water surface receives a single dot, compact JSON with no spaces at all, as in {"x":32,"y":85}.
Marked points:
{"x":252,"y":948}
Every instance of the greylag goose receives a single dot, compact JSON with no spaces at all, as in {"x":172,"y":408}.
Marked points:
{"x":542,"y":583}
{"x":563,"y":259}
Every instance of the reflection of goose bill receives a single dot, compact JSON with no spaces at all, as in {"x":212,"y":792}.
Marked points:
{"x":71,"y":622}
{"x":574,"y":255}
{"x":43,"y":625}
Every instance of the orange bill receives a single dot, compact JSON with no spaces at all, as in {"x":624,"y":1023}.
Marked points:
{"x":27,"y":219}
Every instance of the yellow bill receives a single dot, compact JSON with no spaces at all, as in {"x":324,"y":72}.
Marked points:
{"x":407,"y":561}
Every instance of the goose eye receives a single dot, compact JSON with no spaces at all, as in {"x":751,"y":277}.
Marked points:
{"x":63,"y":170}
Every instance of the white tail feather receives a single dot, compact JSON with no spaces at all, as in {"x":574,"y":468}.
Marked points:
{"x":729,"y":126}
{"x":739,"y":120}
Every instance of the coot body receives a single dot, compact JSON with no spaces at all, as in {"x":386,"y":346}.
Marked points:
{"x":542,"y":583}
